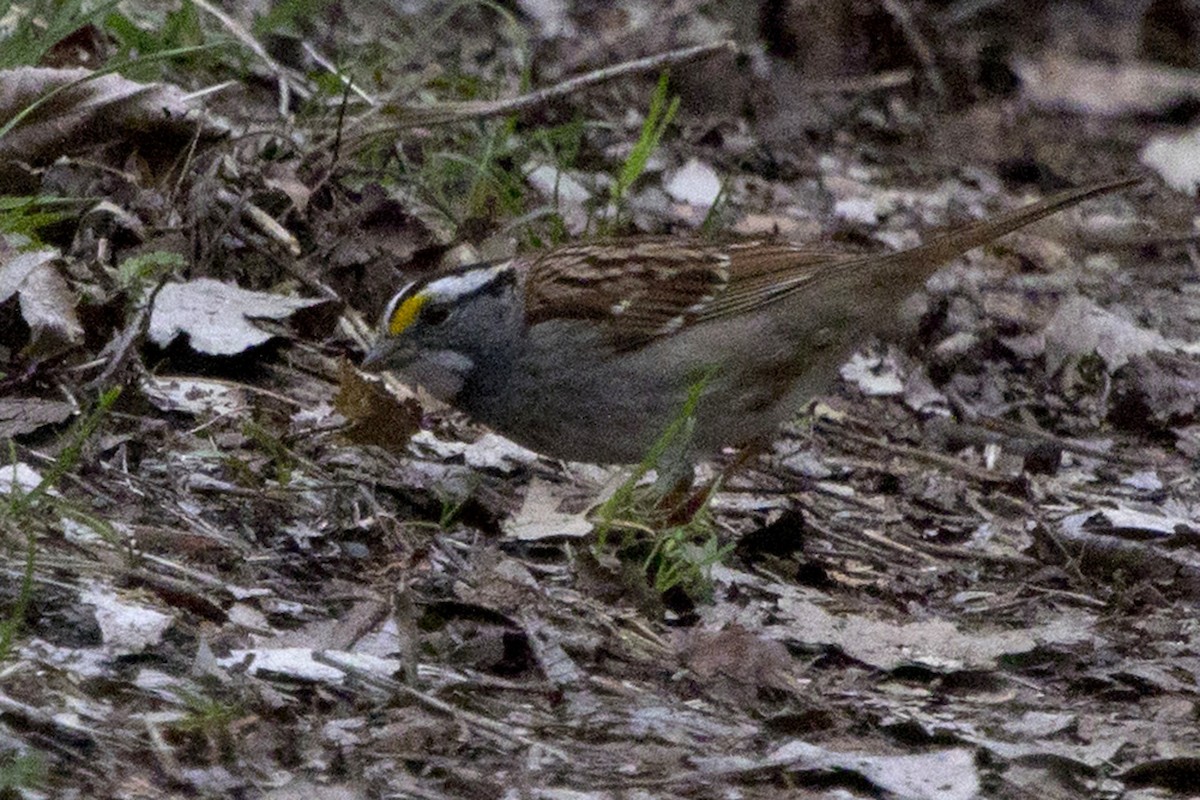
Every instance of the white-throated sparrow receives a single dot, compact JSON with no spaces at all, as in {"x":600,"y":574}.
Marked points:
{"x":587,"y":352}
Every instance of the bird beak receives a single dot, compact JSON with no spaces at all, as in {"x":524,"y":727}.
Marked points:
{"x":378,"y":355}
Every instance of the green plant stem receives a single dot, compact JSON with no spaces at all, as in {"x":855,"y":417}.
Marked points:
{"x":21,"y":503}
{"x":661,"y":114}
{"x":675,"y":435}
{"x":66,"y":461}
{"x":10,"y":626}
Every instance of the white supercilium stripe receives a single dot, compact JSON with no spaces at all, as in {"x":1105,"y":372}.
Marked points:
{"x":453,"y":286}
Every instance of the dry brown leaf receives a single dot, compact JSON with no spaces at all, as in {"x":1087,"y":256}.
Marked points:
{"x":80,"y":110}
{"x":375,"y":416}
{"x":736,"y":662}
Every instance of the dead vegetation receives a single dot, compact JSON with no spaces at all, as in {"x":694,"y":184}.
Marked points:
{"x":235,"y":567}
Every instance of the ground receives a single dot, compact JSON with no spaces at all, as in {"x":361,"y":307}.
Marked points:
{"x":239,"y":567}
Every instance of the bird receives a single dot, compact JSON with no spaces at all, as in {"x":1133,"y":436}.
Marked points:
{"x":588,"y":351}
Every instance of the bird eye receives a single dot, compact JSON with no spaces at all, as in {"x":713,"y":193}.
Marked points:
{"x":434,"y":315}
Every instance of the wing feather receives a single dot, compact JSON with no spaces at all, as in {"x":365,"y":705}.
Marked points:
{"x":646,"y":288}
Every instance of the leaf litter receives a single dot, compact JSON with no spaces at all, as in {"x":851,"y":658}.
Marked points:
{"x":269,"y":576}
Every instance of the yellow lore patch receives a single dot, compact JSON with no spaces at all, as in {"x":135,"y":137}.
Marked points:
{"x":404,"y":316}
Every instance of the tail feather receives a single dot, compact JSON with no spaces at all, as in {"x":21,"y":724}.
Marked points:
{"x":917,"y":263}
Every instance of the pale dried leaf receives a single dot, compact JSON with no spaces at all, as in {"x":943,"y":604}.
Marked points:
{"x":556,"y":184}
{"x":754,"y":224}
{"x":935,"y":643}
{"x":283,"y":178}
{"x":1176,"y":159}
{"x":1082,"y":328}
{"x":21,"y":415}
{"x":1130,"y":520}
{"x":46,"y":302}
{"x":298,"y":663}
{"x":217,"y":317}
{"x":16,"y":266}
{"x":539,"y":517}
{"x":494,"y":452}
{"x":22,"y":477}
{"x":939,"y":775}
{"x":695,"y":183}
{"x":552,"y":17}
{"x":1063,"y":83}
{"x":569,"y":195}
{"x":126,"y":627}
{"x":193,"y":395}
{"x":1034,"y":724}
{"x":1159,"y":389}
{"x":874,"y":376}
{"x":302,"y":789}
{"x":48,"y":308}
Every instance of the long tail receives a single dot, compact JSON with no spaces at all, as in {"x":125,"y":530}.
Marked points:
{"x":913,"y":266}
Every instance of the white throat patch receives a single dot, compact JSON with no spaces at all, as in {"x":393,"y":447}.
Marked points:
{"x":442,"y":372}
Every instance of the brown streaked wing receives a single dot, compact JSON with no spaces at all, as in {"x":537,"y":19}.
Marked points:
{"x":645,"y":288}
{"x":763,"y":272}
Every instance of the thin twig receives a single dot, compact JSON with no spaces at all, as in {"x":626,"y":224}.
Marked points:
{"x":337,"y":73}
{"x":243,"y":36}
{"x":413,"y":116}
{"x":499,"y":730}
{"x":946,"y":462}
{"x":869,"y":83}
{"x":916,"y":41}
{"x":264,"y":222}
{"x":964,"y":10}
